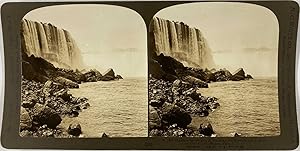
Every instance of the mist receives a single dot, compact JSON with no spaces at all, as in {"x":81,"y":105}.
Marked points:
{"x":108,"y":36}
{"x":240,"y":35}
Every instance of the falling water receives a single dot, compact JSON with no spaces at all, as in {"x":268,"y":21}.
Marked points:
{"x":51,"y":43}
{"x":182,"y":42}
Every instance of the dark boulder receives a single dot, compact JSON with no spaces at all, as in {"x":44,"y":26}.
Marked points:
{"x":236,"y":134}
{"x":169,"y":64}
{"x":93,"y":75}
{"x":66,"y":82}
{"x":28,"y":103}
{"x":206,"y":130}
{"x":91,"y":79}
{"x":28,"y":71}
{"x":97,"y":74}
{"x":104,"y":135}
{"x":155,"y":69}
{"x":107,"y":78}
{"x":40,"y":64}
{"x":158,"y":102}
{"x":85,"y":105}
{"x":197,"y":73}
{"x":119,"y":77}
{"x":248,"y":76}
{"x":238,"y":75}
{"x":109,"y":73}
{"x":172,"y":114}
{"x":74,"y":129}
{"x":222,"y":75}
{"x":30,"y":100}
{"x":45,"y":115}
{"x":75,"y":76}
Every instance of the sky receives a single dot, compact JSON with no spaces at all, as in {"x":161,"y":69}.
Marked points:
{"x":108,"y":36}
{"x":239,"y":34}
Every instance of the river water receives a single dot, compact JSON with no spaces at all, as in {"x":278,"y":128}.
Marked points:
{"x":247,"y":107}
{"x":118,"y":108}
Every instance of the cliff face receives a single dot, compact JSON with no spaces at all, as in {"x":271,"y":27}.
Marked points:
{"x":181,"y":42}
{"x":51,"y":43}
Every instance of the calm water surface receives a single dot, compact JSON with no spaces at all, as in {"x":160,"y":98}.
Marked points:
{"x":118,"y":108}
{"x":247,"y":107}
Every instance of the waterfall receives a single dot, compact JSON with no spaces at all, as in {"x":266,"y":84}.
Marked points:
{"x":181,"y":42}
{"x":51,"y":43}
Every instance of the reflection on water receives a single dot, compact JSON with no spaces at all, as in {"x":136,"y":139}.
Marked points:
{"x":247,"y":107}
{"x":118,"y":108}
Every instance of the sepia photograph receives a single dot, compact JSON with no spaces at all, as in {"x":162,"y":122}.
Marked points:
{"x":84,"y":72}
{"x":213,"y":71}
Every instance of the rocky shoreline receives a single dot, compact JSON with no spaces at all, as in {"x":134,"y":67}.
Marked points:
{"x":45,"y":99}
{"x":173,"y":96}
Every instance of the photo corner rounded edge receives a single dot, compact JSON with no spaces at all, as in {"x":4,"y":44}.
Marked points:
{"x":4,"y":142}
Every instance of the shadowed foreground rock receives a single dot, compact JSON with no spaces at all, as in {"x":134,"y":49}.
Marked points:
{"x":74,"y":129}
{"x":171,"y":105}
{"x":44,"y":105}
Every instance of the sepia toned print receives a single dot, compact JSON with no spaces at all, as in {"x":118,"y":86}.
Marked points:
{"x":83,"y":72}
{"x":213,"y":71}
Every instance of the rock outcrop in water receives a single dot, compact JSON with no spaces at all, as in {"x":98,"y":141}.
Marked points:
{"x":180,"y":41}
{"x":51,"y":43}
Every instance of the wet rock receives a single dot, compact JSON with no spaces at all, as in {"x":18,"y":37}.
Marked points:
{"x":28,"y":104}
{"x":91,"y":79}
{"x":97,"y":74}
{"x":45,"y":115}
{"x":74,"y":129}
{"x":63,"y":93}
{"x":40,"y":64}
{"x":75,"y":76}
{"x":169,"y":64}
{"x":107,"y":78}
{"x":30,"y":100}
{"x":66,"y":82}
{"x":28,"y":71}
{"x":155,"y":69}
{"x":109,"y":73}
{"x":92,"y":76}
{"x":248,"y":76}
{"x":238,"y":75}
{"x":197,"y":73}
{"x":206,"y":130}
{"x":172,"y":114}
{"x":222,"y":75}
{"x":85,"y":105}
{"x":74,"y":113}
{"x":158,"y":102}
{"x":104,"y":135}
{"x":119,"y":77}
{"x":194,"y":81}
{"x":25,"y":120}
{"x":235,"y":134}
